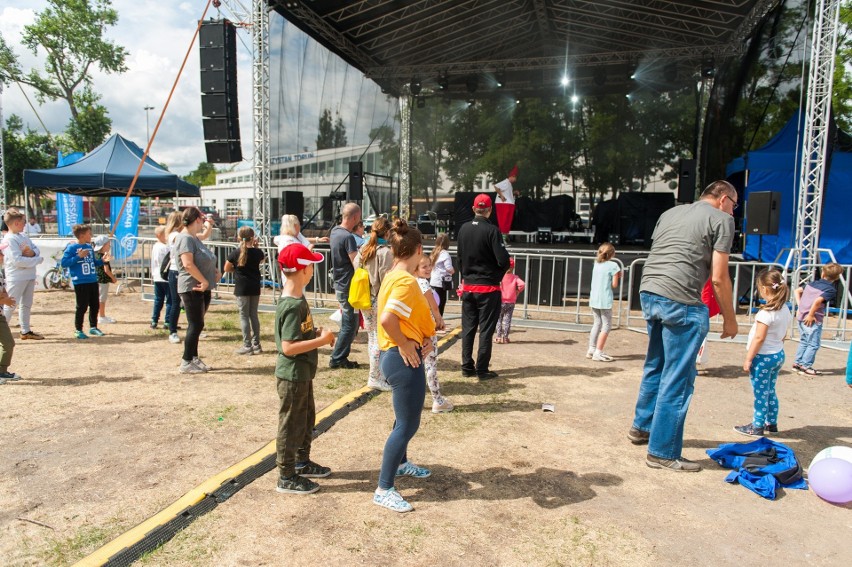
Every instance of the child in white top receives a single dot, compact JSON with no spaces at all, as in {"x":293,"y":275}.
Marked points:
{"x":605,"y":277}
{"x":440,"y":404}
{"x":161,"y":285}
{"x":765,"y":355}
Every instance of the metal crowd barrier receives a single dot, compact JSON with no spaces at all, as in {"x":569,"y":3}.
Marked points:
{"x":747,"y":300}
{"x":557,"y":288}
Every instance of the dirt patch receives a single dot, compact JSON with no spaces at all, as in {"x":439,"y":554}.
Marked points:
{"x":104,"y":433}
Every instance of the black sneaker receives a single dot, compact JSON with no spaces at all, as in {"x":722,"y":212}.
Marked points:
{"x":487,"y":375}
{"x":638,"y":437}
{"x":749,"y":429}
{"x":771,"y":428}
{"x":296,"y":485}
{"x":345,"y":364}
{"x":312,"y":470}
{"x":468,"y":373}
{"x":9,"y":377}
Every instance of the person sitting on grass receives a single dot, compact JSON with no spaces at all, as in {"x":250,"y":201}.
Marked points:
{"x":81,"y":262}
{"x":297,"y":341}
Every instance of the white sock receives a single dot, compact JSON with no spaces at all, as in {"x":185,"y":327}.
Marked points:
{"x":381,"y":491}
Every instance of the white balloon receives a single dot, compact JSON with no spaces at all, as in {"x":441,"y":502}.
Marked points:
{"x":836,"y":452}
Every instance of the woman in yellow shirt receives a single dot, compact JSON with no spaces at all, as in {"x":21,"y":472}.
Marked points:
{"x":405,"y":329}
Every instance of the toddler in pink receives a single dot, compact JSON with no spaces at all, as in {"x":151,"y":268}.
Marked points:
{"x":510,"y":287}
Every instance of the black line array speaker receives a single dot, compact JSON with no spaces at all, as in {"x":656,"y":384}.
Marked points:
{"x":356,"y":181}
{"x":218,"y":53}
{"x":686,"y":181}
{"x":294,"y":204}
{"x":763,"y":211}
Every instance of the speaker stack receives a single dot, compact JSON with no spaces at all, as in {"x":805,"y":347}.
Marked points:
{"x":356,"y":181}
{"x":763,"y":212}
{"x":686,"y":181}
{"x":218,"y":52}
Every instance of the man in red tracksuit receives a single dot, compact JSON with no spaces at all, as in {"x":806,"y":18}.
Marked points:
{"x":483,"y":261}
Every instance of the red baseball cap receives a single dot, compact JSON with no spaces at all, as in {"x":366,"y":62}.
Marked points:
{"x":482,"y":201}
{"x":295,"y":257}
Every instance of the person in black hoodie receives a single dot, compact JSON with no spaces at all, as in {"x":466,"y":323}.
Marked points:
{"x":483,"y":260}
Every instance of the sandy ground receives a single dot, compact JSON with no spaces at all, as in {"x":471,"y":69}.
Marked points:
{"x":104,"y":433}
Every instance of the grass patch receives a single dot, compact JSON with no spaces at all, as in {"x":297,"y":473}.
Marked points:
{"x":65,"y":551}
{"x":216,"y":415}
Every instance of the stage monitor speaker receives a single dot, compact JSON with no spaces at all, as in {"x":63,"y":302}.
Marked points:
{"x":223,"y":152}
{"x":686,"y":181}
{"x":294,"y":204}
{"x":356,"y":181}
{"x":763,"y":212}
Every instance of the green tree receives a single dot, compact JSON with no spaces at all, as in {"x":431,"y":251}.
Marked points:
{"x":331,"y":133}
{"x":71,"y":34}
{"x":91,"y":126}
{"x":204,"y":174}
{"x":23,"y":150}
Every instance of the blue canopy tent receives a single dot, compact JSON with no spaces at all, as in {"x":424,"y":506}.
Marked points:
{"x":775,"y":167}
{"x":108,"y":171}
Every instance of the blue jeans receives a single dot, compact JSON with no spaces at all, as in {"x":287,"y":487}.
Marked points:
{"x":161,"y":295}
{"x":348,"y":328}
{"x":173,"y":311}
{"x":675,"y":333}
{"x":408,"y":388}
{"x":809,"y":341}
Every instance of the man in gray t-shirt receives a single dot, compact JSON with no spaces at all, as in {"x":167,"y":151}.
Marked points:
{"x":690,"y":244}
{"x":342,"y":254}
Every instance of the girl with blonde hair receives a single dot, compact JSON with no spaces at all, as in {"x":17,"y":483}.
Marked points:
{"x":606,"y":276}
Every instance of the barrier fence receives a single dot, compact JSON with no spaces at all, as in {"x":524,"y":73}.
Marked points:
{"x":557,"y":288}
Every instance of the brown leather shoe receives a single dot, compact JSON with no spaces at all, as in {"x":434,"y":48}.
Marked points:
{"x":638,"y":437}
{"x":677,"y":465}
{"x":31,"y":336}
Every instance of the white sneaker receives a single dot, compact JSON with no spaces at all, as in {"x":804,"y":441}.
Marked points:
{"x":447,"y":406}
{"x":174,"y":338}
{"x":105,"y":319}
{"x":379,"y":384}
{"x":189,"y":368}
{"x":590,"y":353}
{"x":200,"y":364}
{"x":601,"y":356}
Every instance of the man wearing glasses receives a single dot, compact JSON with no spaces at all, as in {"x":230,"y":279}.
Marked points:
{"x":688,"y":240}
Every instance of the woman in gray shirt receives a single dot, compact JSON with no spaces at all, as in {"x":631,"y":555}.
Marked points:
{"x":197,"y":276}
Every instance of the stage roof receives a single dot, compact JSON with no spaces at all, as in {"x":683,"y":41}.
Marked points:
{"x":528,"y":45}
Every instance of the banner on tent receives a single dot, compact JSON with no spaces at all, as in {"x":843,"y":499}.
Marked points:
{"x":126,"y":228}
{"x":69,"y":208}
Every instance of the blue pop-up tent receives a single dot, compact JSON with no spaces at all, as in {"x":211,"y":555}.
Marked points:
{"x":775,"y":167}
{"x":108,"y":171}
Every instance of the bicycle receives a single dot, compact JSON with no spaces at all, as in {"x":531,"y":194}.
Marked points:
{"x":57,"y":277}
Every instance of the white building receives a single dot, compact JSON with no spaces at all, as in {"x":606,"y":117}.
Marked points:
{"x":314,"y":174}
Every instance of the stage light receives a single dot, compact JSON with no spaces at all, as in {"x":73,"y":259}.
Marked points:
{"x":421,"y":102}
{"x":416,"y":87}
{"x":517,"y":101}
{"x":501,"y":79}
{"x":564,"y":80}
{"x":471,"y":101}
{"x":600,"y":76}
{"x":575,"y":99}
{"x":443,"y":82}
{"x":472,"y":84}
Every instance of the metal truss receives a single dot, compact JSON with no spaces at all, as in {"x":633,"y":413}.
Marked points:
{"x":815,"y":141}
{"x":404,"y":152}
{"x":260,"y":113}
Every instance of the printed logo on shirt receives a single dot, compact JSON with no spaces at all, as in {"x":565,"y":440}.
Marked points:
{"x":308,"y":324}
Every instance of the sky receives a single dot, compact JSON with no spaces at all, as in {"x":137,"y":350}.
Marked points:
{"x":156,"y":41}
{"x":305,"y":78}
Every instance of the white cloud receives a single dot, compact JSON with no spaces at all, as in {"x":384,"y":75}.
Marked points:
{"x":156,"y":38}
